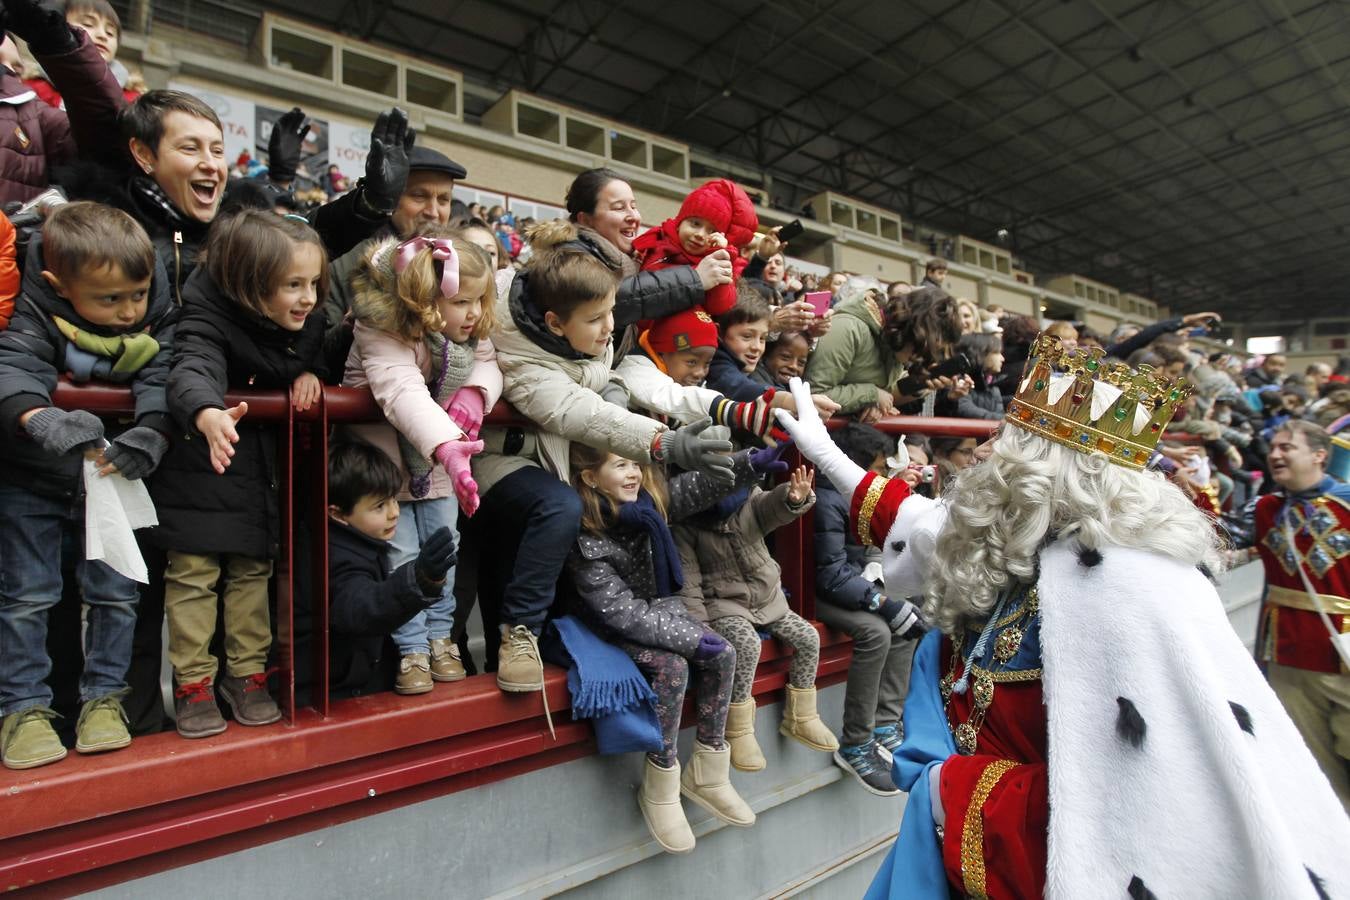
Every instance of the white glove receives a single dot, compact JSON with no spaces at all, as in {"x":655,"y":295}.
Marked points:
{"x":814,"y":442}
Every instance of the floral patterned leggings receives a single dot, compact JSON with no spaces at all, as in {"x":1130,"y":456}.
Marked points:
{"x":668,"y":674}
{"x":792,"y":630}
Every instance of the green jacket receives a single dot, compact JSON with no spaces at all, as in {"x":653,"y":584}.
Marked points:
{"x":852,"y":360}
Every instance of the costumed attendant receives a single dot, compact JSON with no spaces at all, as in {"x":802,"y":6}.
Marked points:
{"x":1085,"y":723}
{"x":1304,"y":669}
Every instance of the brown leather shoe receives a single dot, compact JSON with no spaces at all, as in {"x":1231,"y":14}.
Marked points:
{"x":195,"y":711}
{"x":249,"y":700}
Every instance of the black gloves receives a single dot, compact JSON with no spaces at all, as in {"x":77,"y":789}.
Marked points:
{"x":903,"y":618}
{"x":391,"y":140}
{"x":436,"y":558}
{"x":59,"y":431}
{"x":44,"y":29}
{"x":686,"y":449}
{"x":283,"y":147}
{"x":137,"y":451}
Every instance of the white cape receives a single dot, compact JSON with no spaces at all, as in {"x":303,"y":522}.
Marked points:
{"x":1202,"y":807}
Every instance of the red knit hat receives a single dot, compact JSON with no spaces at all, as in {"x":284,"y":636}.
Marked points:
{"x":683,"y":331}
{"x":726,"y":207}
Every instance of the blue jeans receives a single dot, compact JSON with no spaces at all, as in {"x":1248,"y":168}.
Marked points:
{"x":31,"y":531}
{"x":417,"y":520}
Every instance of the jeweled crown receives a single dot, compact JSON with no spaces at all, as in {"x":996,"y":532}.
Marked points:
{"x":1073,"y":398}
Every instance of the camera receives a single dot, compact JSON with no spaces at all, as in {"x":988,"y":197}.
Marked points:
{"x":926,"y":473}
{"x":960,"y":364}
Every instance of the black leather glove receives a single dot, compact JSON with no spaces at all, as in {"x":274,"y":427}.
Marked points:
{"x":44,"y":29}
{"x":391,"y":140}
{"x":903,"y":618}
{"x":137,"y":451}
{"x":688,"y":450}
{"x":59,"y":431}
{"x":436,"y":558}
{"x":283,"y":147}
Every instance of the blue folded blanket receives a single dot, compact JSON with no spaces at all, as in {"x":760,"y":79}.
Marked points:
{"x":607,"y":688}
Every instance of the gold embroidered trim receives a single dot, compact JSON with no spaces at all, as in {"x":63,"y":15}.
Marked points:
{"x":973,"y":873}
{"x":1002,"y":677}
{"x":868,"y":506}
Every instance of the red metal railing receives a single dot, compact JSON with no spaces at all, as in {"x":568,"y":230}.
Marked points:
{"x":93,"y":821}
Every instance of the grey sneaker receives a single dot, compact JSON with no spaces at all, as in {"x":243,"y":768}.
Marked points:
{"x":864,"y":763}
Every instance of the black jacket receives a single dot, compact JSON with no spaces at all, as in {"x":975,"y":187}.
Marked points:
{"x":839,"y":556}
{"x":33,"y":355}
{"x":219,"y":346}
{"x":366,"y":602}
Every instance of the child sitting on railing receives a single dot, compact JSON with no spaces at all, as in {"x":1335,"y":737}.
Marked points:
{"x":732,"y":583}
{"x":555,"y":350}
{"x":94,"y":304}
{"x":247,"y":322}
{"x":424,"y":309}
{"x":625,"y":570}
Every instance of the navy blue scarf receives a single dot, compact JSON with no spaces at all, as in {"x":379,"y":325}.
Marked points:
{"x":642,"y":515}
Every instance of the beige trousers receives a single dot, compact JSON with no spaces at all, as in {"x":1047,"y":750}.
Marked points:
{"x":1319,"y":704}
{"x":190,"y":605}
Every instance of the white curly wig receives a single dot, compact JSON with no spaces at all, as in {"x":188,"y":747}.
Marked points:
{"x":1001,"y":513}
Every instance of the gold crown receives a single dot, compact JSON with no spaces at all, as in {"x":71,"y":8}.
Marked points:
{"x":1072,"y":398}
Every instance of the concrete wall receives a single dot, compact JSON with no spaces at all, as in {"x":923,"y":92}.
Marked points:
{"x":575,"y":830}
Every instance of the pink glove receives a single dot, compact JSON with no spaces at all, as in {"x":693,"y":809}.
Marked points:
{"x":466,"y":410}
{"x":454,"y":457}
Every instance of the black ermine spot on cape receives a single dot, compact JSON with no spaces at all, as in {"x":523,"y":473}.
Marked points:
{"x":1244,"y":718}
{"x":1138,"y":891}
{"x":1317,"y":884}
{"x":1207,"y":572}
{"x":1089,"y":557}
{"x":1129,"y":724}
{"x":898,"y":546}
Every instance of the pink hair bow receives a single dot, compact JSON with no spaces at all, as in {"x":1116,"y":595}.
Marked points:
{"x":442,"y":250}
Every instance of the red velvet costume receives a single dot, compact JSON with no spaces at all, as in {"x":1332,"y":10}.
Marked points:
{"x":1293,"y":634}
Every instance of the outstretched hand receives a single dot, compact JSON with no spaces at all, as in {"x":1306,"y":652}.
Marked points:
{"x":284,"y":145}
{"x":218,"y":428}
{"x":814,"y":441}
{"x":391,"y":140}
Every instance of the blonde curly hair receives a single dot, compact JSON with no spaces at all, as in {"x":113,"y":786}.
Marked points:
{"x":405,"y":303}
{"x":1003,"y":511}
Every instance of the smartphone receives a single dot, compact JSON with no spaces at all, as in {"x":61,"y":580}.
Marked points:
{"x":819,"y":300}
{"x":791,"y":230}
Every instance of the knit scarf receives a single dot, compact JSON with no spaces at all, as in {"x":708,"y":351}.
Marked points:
{"x":149,"y":191}
{"x":450,"y":364}
{"x":643,"y":516}
{"x":114,"y":358}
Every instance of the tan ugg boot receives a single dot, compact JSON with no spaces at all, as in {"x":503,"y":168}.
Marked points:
{"x":659,"y":800}
{"x":707,"y":782}
{"x":745,"y":752}
{"x":802,"y":723}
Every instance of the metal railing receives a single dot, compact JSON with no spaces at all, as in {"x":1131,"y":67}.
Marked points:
{"x":92,"y":821}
